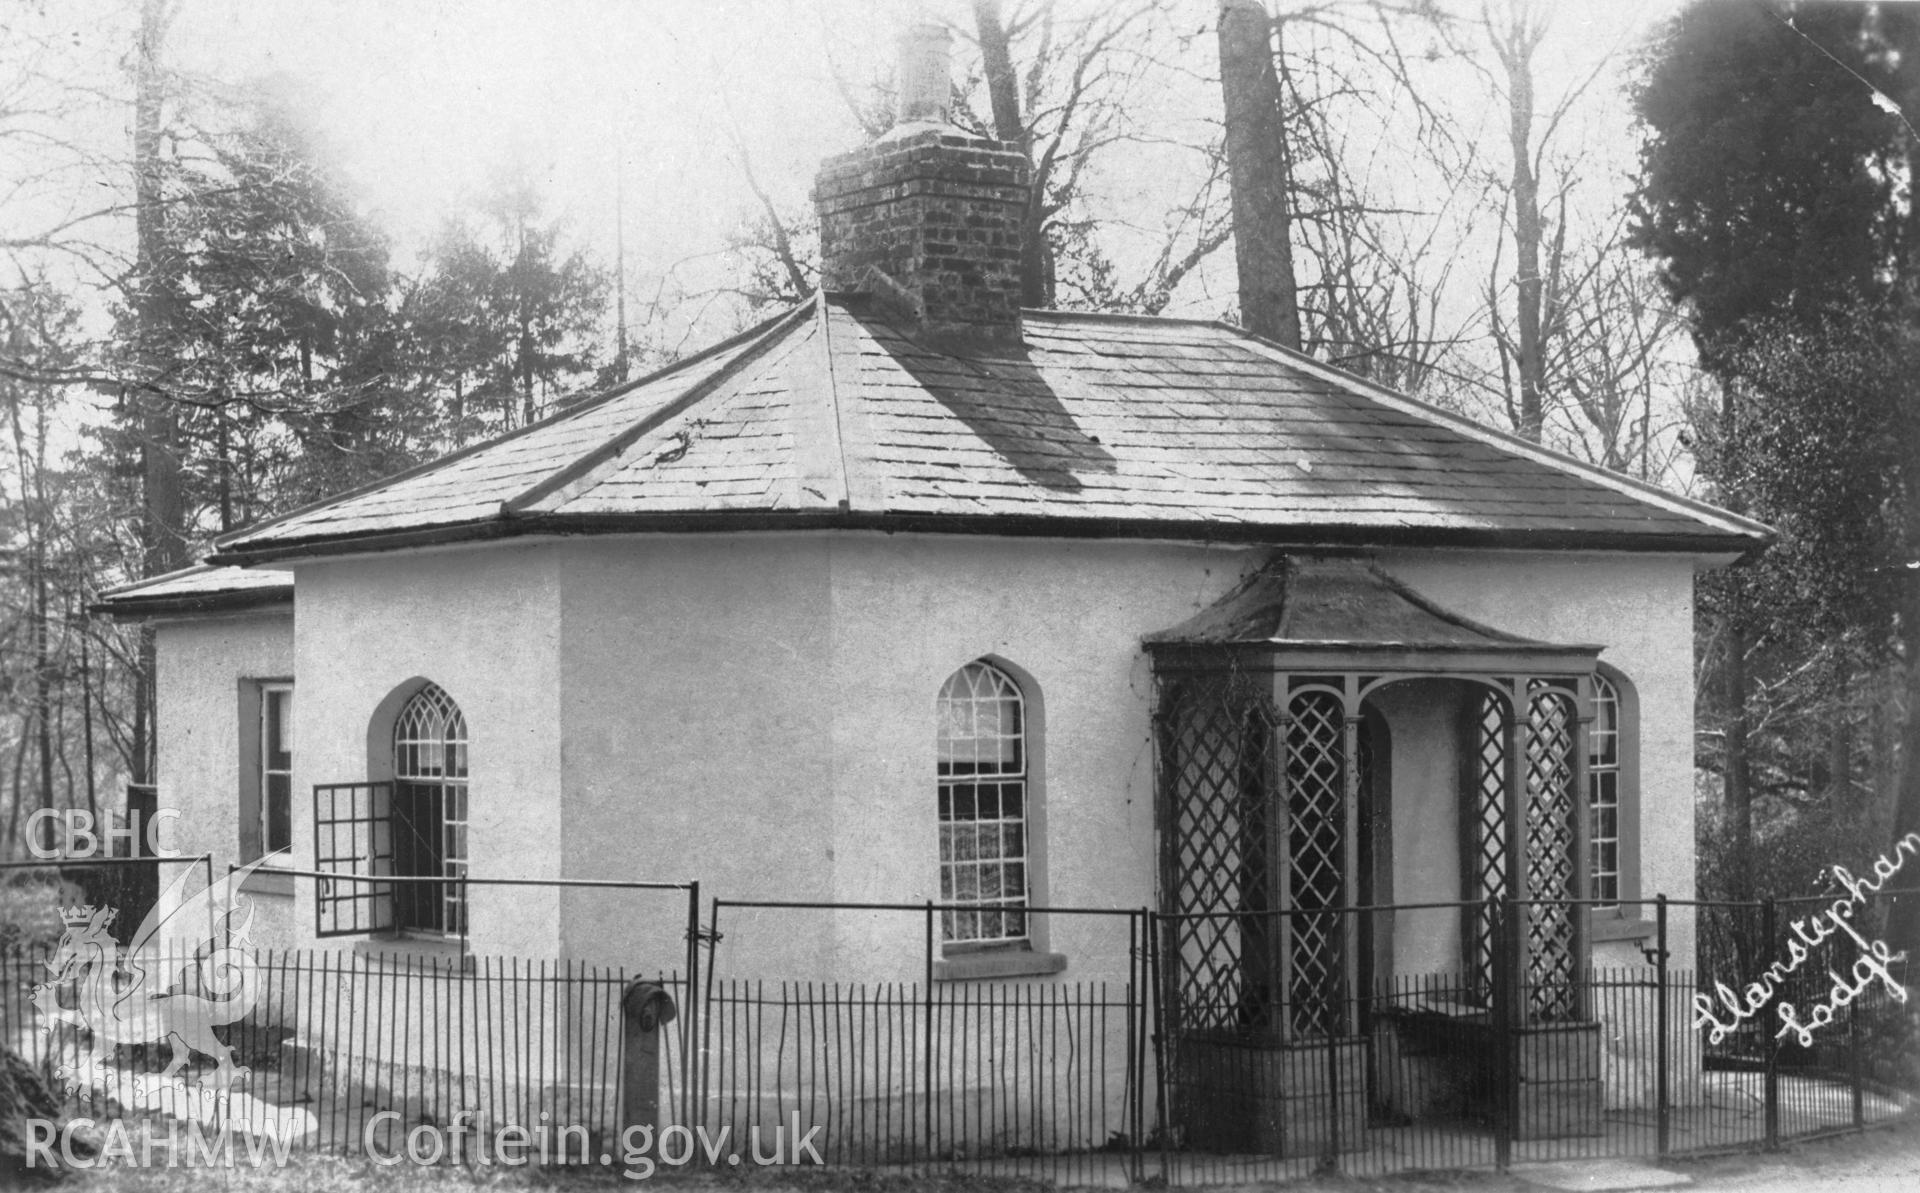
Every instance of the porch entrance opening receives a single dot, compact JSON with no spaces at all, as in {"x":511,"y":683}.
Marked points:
{"x":1332,"y":743}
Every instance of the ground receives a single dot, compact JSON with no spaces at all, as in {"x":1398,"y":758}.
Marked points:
{"x":1886,"y":1159}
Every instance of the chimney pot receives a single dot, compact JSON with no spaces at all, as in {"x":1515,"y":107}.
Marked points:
{"x":926,"y":74}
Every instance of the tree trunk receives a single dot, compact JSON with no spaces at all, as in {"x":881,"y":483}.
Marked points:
{"x":1737,"y":767}
{"x":86,"y":721}
{"x":1515,"y":46}
{"x":1903,"y":927}
{"x":1902,"y":28}
{"x":1257,"y":167}
{"x":164,"y":538}
{"x":1003,"y":95}
{"x":42,"y":671}
{"x":163,"y":520}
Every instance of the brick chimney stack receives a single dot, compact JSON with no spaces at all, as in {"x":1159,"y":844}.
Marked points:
{"x":928,"y":219}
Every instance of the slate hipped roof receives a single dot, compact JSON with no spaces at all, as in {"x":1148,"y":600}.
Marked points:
{"x":832,"y":415}
{"x":199,"y":588}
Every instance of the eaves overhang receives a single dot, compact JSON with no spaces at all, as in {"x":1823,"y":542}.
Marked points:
{"x":1307,"y":535}
{"x":198,"y":589}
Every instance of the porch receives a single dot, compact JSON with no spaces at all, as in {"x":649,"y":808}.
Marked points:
{"x":1374,"y":820}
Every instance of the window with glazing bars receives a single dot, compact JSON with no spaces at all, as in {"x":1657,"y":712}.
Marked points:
{"x":352,"y":838}
{"x":276,"y":767}
{"x":982,"y":790}
{"x":430,"y":812}
{"x":1603,"y":794}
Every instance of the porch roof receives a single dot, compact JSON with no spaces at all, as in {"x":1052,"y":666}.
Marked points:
{"x":198,"y":588}
{"x":1334,"y":608}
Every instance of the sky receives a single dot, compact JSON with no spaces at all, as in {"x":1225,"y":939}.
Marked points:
{"x":421,"y":99}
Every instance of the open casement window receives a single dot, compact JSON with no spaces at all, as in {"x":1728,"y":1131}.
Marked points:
{"x":353,"y":837}
{"x":414,"y":826}
{"x":982,"y":791}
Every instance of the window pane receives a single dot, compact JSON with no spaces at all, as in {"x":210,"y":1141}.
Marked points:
{"x":988,"y":797}
{"x":987,"y":841}
{"x":279,"y":735}
{"x":279,"y":812}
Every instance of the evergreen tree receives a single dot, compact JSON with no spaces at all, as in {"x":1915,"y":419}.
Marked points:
{"x":268,"y":304}
{"x":503,"y":318}
{"x":1773,"y":192}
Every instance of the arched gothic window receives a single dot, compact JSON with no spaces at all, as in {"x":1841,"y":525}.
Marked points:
{"x":982,"y":784}
{"x":430,"y":812}
{"x":1607,"y":744}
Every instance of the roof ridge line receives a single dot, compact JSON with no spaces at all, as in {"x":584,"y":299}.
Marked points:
{"x":1121,"y":317}
{"x":1505,"y":440}
{"x":844,"y":482}
{"x":592,"y":402}
{"x":584,"y":464}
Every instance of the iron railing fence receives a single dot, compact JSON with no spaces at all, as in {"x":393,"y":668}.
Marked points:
{"x":1406,"y":1058}
{"x":1049,"y":1074}
{"x":354,"y":1053}
{"x":1849,"y":1052}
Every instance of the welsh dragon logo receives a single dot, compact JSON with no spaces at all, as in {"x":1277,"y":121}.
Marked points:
{"x":187,"y":970}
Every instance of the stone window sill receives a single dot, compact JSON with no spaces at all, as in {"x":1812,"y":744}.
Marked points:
{"x":403,"y":951}
{"x":999,"y":963}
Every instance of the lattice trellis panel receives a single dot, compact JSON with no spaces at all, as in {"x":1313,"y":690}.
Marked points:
{"x":1218,"y":742}
{"x":1551,"y":963}
{"x":1316,"y":873}
{"x":1489,"y":834}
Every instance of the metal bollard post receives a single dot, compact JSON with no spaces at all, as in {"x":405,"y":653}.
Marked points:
{"x":644,"y":1007}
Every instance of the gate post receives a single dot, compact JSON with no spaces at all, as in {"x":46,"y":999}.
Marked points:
{"x":1768,"y":1043}
{"x":644,"y":1006}
{"x":1505,"y":1100}
{"x":1663,"y":1014}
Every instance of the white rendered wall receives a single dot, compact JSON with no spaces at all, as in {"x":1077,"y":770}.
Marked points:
{"x":204,"y":664}
{"x":757,"y":711}
{"x":484,"y":625}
